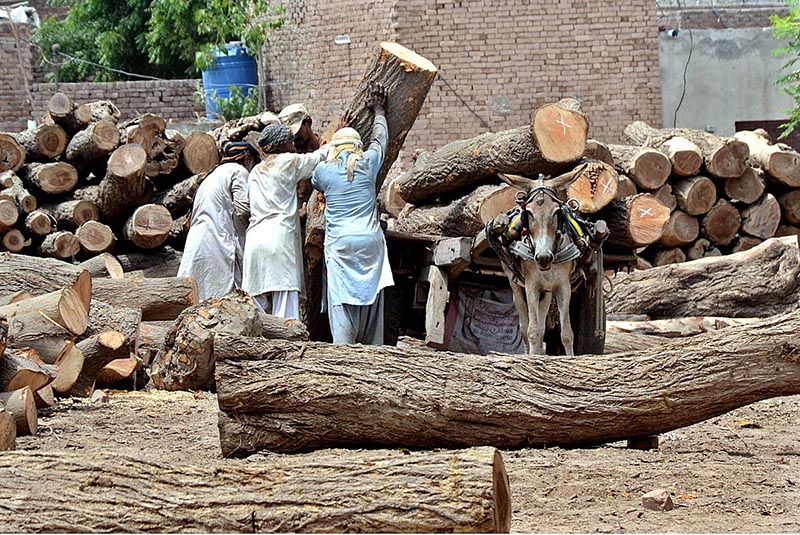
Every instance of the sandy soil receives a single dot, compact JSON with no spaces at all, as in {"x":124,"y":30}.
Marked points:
{"x":736,"y":473}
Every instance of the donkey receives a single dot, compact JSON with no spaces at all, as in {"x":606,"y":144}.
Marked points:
{"x":539,"y":258}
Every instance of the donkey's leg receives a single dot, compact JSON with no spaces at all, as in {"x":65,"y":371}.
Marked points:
{"x":538,"y":321}
{"x":521,"y":305}
{"x":563,"y":295}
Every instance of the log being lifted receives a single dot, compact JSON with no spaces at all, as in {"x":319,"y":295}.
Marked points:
{"x":124,"y":185}
{"x":779,"y":161}
{"x":553,"y":142}
{"x":647,"y":167}
{"x":12,"y":154}
{"x":524,"y":400}
{"x":43,"y":143}
{"x":464,"y":491}
{"x":724,"y":157}
{"x":88,"y":146}
{"x":634,"y":221}
{"x":761,"y":281}
{"x":148,"y":227}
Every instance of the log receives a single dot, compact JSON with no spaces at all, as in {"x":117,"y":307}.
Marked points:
{"x":98,"y":350}
{"x":124,"y":185}
{"x":239,"y":129}
{"x":594,"y":188}
{"x":152,"y":338}
{"x":17,"y":193}
{"x":746,"y":188}
{"x":148,"y":227}
{"x":97,"y":238}
{"x":686,"y":157}
{"x":103,"y":265}
{"x":44,"y":397}
{"x":67,"y":307}
{"x":51,"y":178}
{"x":311,"y":309}
{"x":17,"y":372}
{"x":634,"y":221}
{"x":665,"y":196}
{"x":695,"y":195}
{"x":70,"y":215}
{"x":754,"y":283}
{"x":762,"y":218}
{"x":159,"y":299}
{"x":122,"y":322}
{"x":626,"y":187}
{"x":12,"y":154}
{"x":669,"y":256}
{"x":179,"y":231}
{"x":200,"y":154}
{"x":117,"y":370}
{"x":367,"y":491}
{"x":154,"y":264}
{"x":721,"y":223}
{"x":461,"y":217}
{"x":104,"y":110}
{"x":61,"y":245}
{"x":89,"y":146}
{"x":703,"y":377}
{"x":787,"y":230}
{"x":187,"y":361}
{"x":146,"y":130}
{"x":790,"y":206}
{"x":677,"y":327}
{"x":596,"y":150}
{"x":779,"y":161}
{"x":8,"y":431}
{"x":43,"y":143}
{"x":39,"y":223}
{"x":723,"y":157}
{"x":14,"y":241}
{"x":743,"y":243}
{"x":178,"y":199}
{"x":389,"y":199}
{"x":407,"y":77}
{"x":21,"y":405}
{"x":617,"y":342}
{"x":680,"y":230}
{"x":647,"y":167}
{"x":552,"y":144}
{"x":35,"y":275}
{"x":61,"y":110}
{"x":277,"y":328}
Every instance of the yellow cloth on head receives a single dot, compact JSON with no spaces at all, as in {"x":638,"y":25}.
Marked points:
{"x":347,"y":139}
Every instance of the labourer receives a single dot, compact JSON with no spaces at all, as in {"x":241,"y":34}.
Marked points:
{"x":215,"y":242}
{"x":299,"y":121}
{"x":273,"y":255}
{"x":356,"y":258}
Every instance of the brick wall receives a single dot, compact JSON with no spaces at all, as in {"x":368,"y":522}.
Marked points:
{"x":499,"y":60}
{"x":16,"y":76}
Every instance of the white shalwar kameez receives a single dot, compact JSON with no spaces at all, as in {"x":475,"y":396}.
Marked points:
{"x":273,"y":254}
{"x":356,"y":258}
{"x":215,"y":242}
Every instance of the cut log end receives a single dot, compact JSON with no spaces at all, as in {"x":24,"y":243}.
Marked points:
{"x":12,"y":154}
{"x":149,"y":226}
{"x":14,"y":241}
{"x":95,"y":237}
{"x":729,"y":160}
{"x":648,"y":218}
{"x":411,"y":59}
{"x":127,"y":160}
{"x":560,"y":133}
{"x":60,"y":245}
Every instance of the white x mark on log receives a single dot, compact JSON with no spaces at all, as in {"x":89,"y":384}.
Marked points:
{"x":564,"y":125}
{"x":643,"y":212}
{"x":606,"y":186}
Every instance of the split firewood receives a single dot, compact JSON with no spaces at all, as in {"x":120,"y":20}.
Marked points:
{"x":680,"y":230}
{"x":669,"y":256}
{"x":747,"y":188}
{"x":159,"y":299}
{"x":721,"y":223}
{"x":12,"y":154}
{"x":626,"y":187}
{"x":634,"y":221}
{"x":50,"y":178}
{"x":61,"y":110}
{"x":154,"y":264}
{"x":72,"y":214}
{"x":14,"y":241}
{"x":146,"y":130}
{"x":763,"y":280}
{"x":88,"y":146}
{"x":677,"y":327}
{"x":39,"y":223}
{"x":187,"y":361}
{"x":780,"y":161}
{"x":200,"y":153}
{"x":743,"y":243}
{"x":724,"y":157}
{"x":98,"y":350}
{"x":17,"y":371}
{"x":44,"y":397}
{"x":703,"y":377}
{"x":148,"y":227}
{"x":648,"y":168}
{"x":8,"y":431}
{"x":666,"y":197}
{"x":762,"y":218}
{"x":596,"y":150}
{"x":790,"y":206}
{"x":96,"y":238}
{"x":178,"y":199}
{"x":21,"y":405}
{"x":552,"y":144}
{"x":124,"y":185}
{"x":102,"y":265}
{"x":463,"y":491}
{"x":43,"y":143}
{"x":695,"y":195}
{"x":62,"y":244}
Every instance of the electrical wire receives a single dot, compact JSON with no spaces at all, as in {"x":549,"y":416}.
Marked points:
{"x":464,"y":102}
{"x":685,"y":70}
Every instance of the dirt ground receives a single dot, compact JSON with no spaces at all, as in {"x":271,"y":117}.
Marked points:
{"x":736,"y":473}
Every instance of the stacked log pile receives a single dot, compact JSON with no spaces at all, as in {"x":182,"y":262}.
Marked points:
{"x":83,"y":183}
{"x":725,"y":194}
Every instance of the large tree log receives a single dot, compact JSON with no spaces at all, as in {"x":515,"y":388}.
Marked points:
{"x":159,"y":299}
{"x":21,"y":405}
{"x":239,"y":129}
{"x":72,"y":214}
{"x":746,"y":188}
{"x":187,"y":361}
{"x":124,"y":322}
{"x":67,"y":307}
{"x":17,"y":371}
{"x":148,"y":227}
{"x":634,"y":221}
{"x":552,"y":144}
{"x":277,"y":328}
{"x":680,"y":230}
{"x":695,"y":195}
{"x":154,"y":264}
{"x":12,"y":154}
{"x":178,"y":199}
{"x":35,"y":275}
{"x":677,"y":327}
{"x":723,"y":157}
{"x":665,"y":196}
{"x":721,"y":223}
{"x":51,"y":178}
{"x":88,"y":146}
{"x":61,"y":245}
{"x":124,"y":185}
{"x":104,"y":110}
{"x":758,"y":282}
{"x":17,"y":192}
{"x":8,"y":431}
{"x":44,"y":143}
{"x":649,"y":168}
{"x":146,"y":130}
{"x":96,"y":238}
{"x":594,"y":188}
{"x":686,"y":157}
{"x":762,"y":218}
{"x":597,"y":150}
{"x":626,"y":188}
{"x":200,"y":153}
{"x":702,"y":377}
{"x":325,"y":492}
{"x":779,"y":161}
{"x":790,"y":206}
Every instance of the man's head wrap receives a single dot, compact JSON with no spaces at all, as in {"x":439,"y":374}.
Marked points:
{"x":293,"y":116}
{"x":236,"y":151}
{"x":347,"y":139}
{"x":273,"y":137}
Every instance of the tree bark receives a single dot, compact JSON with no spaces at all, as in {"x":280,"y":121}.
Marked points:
{"x":12,"y":154}
{"x":790,"y":206}
{"x":762,"y":218}
{"x":462,"y":164}
{"x":148,"y":227}
{"x":677,"y":327}
{"x":634,"y":221}
{"x":669,"y":256}
{"x":104,"y":110}
{"x":35,"y":275}
{"x":754,"y":283}
{"x":124,"y":185}
{"x":277,"y":328}
{"x":648,"y":168}
{"x":21,"y":405}
{"x":723,"y":157}
{"x":153,"y":264}
{"x":200,"y":153}
{"x":51,"y":178}
{"x":17,"y":193}
{"x":702,"y":377}
{"x":187,"y":361}
{"x":746,"y":188}
{"x":8,"y":431}
{"x":17,"y":372}
{"x":178,"y":199}
{"x":779,"y":161}
{"x":159,"y":299}
{"x":325,"y":492}
{"x":39,"y":223}
{"x":60,"y":245}
{"x":680,"y":230}
{"x":72,"y":214}
{"x":665,"y":196}
{"x":97,"y":238}
{"x":88,"y":146}
{"x":44,"y":143}
{"x":721,"y":223}
{"x":695,"y":195}
{"x":102,"y":265}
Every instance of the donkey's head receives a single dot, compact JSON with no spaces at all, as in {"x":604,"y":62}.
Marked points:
{"x":544,"y":219}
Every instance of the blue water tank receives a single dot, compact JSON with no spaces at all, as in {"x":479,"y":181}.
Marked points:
{"x":236,"y":67}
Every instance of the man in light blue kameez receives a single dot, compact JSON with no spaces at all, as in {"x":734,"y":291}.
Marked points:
{"x":356,"y":259}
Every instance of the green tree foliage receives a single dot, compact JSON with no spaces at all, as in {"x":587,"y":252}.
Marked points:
{"x":787,"y":28}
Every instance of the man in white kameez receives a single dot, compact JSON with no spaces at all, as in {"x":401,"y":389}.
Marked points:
{"x":273,"y":255}
{"x":215,"y":242}
{"x":356,"y":258}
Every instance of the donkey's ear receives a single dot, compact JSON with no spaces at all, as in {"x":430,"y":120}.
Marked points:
{"x":515,"y":181}
{"x":562,"y":182}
